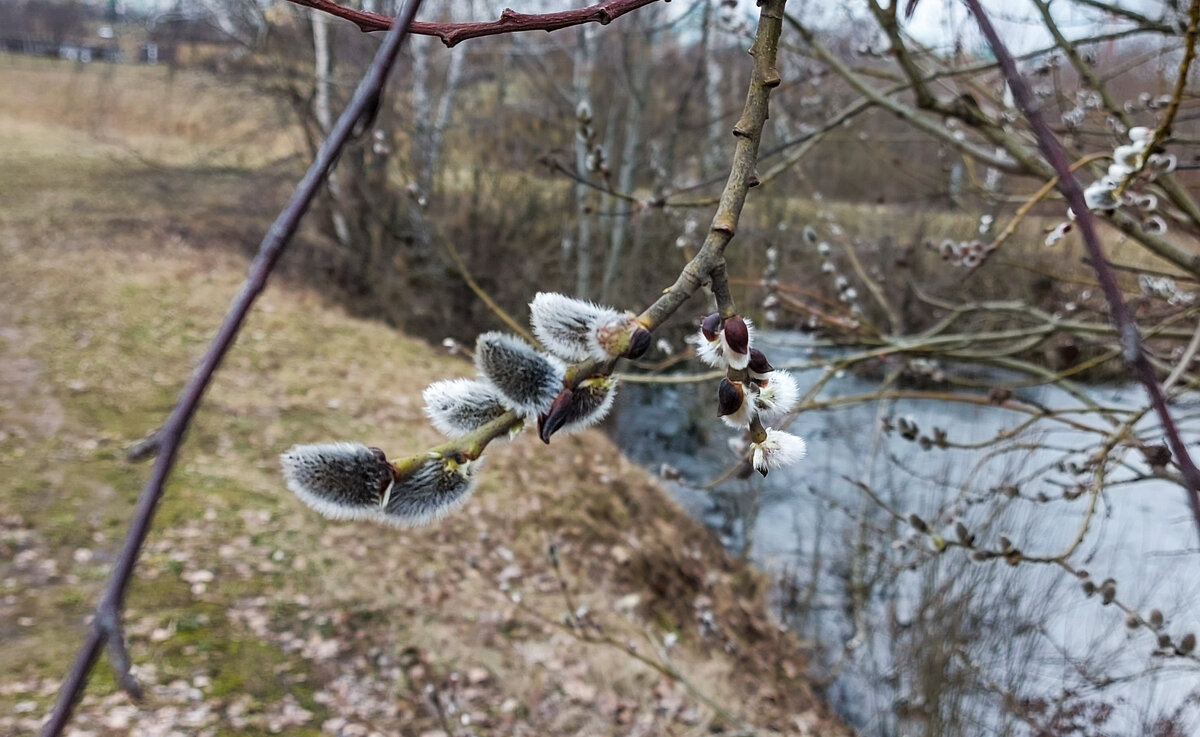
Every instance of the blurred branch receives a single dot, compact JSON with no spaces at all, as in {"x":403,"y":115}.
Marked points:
{"x":1131,"y":342}
{"x":1143,"y":21}
{"x":1164,"y":128}
{"x":106,"y":626}
{"x":1174,"y":191}
{"x":509,"y":21}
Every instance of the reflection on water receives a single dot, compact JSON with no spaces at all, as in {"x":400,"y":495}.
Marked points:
{"x":912,"y":642}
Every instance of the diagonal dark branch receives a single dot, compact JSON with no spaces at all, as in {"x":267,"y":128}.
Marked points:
{"x":509,"y":21}
{"x":106,"y":626}
{"x":1130,"y":337}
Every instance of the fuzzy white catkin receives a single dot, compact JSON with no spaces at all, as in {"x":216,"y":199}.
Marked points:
{"x":780,"y":449}
{"x":458,"y":406}
{"x":565,"y":325}
{"x":714,"y":352}
{"x":529,"y":381}
{"x":338,"y":480}
{"x":590,"y":403}
{"x":777,"y":398}
{"x":437,"y":487}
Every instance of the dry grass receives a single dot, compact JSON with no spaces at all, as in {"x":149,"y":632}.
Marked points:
{"x":252,"y":615}
{"x":172,"y":118}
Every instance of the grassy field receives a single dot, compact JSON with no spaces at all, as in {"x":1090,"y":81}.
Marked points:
{"x":250,"y":614}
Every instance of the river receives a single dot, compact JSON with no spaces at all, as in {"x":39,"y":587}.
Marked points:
{"x":912,"y":642}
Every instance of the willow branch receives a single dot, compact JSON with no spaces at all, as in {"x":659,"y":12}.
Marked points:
{"x":1174,"y":191}
{"x":1131,"y":342}
{"x":509,"y":21}
{"x":1185,"y":65}
{"x":748,"y":131}
{"x":105,"y":627}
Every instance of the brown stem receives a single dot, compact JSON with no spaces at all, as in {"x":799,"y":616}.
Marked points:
{"x":748,"y":131}
{"x":509,"y":21}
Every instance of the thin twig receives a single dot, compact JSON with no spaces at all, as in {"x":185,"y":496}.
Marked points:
{"x":106,"y":627}
{"x":1131,"y":342}
{"x":509,"y":21}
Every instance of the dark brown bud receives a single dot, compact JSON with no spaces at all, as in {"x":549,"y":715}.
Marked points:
{"x":1108,"y":590}
{"x":918,"y":523}
{"x":1156,"y":618}
{"x":1164,"y":640}
{"x":999,"y":395}
{"x":711,"y":325}
{"x":556,"y":416}
{"x":729,"y":397}
{"x":964,"y":536}
{"x":1158,"y":456}
{"x":1132,"y":621}
{"x":1089,"y":588}
{"x":1187,"y":644}
{"x":759,"y":363}
{"x":737,"y":335}
{"x":639,"y":343}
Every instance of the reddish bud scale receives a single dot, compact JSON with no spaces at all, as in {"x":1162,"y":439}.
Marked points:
{"x":759,"y":363}
{"x":737,"y":335}
{"x":730,"y":396}
{"x":639,"y":343}
{"x":553,"y":420}
{"x":711,"y":325}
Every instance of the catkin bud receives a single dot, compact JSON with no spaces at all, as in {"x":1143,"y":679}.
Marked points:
{"x":564,"y":324}
{"x":1187,"y":644}
{"x":458,"y":406}
{"x":436,"y":486}
{"x":1108,"y":591}
{"x":730,"y":397}
{"x":735,"y":342}
{"x":964,"y":536}
{"x":529,"y":381}
{"x":579,"y":408}
{"x":338,"y":480}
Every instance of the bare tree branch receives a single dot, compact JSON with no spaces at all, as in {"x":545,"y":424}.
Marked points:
{"x":509,"y":21}
{"x":1130,"y":337}
{"x":106,"y":626}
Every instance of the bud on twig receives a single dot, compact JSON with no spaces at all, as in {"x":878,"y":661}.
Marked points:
{"x":529,"y":381}
{"x":338,"y":480}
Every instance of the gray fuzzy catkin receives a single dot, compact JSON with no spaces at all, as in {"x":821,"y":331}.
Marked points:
{"x":458,"y":406}
{"x":590,"y":403}
{"x":437,"y":487}
{"x":338,"y":480}
{"x":565,"y":325}
{"x":528,"y":380}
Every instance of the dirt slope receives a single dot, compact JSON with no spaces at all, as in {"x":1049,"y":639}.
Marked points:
{"x":252,"y":615}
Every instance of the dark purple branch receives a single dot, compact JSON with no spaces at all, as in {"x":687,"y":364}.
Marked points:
{"x":106,"y":626}
{"x":1131,"y":340}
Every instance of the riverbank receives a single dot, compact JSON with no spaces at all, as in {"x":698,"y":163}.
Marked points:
{"x":252,"y":615}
